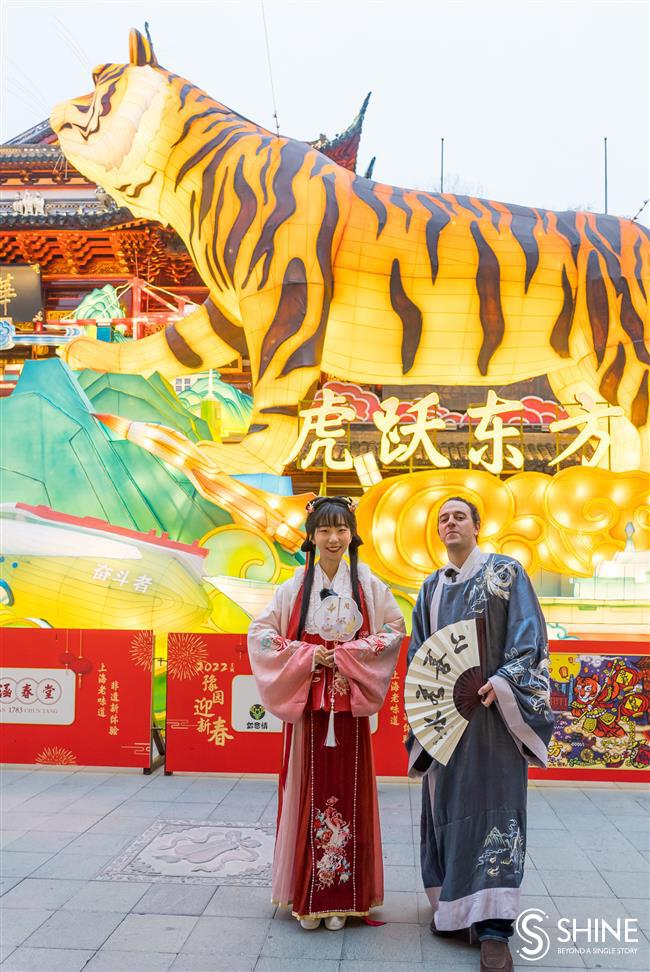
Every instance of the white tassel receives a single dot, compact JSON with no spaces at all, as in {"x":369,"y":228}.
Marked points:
{"x":330,"y":739}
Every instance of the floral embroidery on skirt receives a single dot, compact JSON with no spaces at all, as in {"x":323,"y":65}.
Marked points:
{"x":331,"y":834}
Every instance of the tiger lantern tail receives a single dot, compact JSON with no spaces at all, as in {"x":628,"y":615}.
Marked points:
{"x":312,"y":269}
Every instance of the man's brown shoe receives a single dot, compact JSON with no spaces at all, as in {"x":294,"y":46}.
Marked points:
{"x":495,"y":956}
{"x":467,"y":934}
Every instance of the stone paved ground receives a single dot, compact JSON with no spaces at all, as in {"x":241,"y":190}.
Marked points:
{"x":588,"y":854}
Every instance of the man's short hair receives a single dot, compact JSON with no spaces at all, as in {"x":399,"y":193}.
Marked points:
{"x":476,"y":516}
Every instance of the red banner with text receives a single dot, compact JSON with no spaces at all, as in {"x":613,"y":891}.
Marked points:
{"x":78,"y":698}
{"x":216,"y":722}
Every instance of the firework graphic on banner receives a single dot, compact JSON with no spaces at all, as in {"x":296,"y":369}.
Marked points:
{"x":142,"y":649}
{"x":56,"y":756}
{"x":185,"y":655}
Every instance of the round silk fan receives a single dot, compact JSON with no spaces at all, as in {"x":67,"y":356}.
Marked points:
{"x":441,"y":688}
{"x":337,"y":618}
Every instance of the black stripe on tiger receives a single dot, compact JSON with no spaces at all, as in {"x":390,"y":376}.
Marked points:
{"x":565,"y":223}
{"x":612,"y":377}
{"x":289,"y":315}
{"x":597,"y":306}
{"x":290,"y":410}
{"x":193,"y":118}
{"x":191,"y":233}
{"x":104,"y":108}
{"x":638,"y":267}
{"x":435,"y":224}
{"x":209,"y":179}
{"x":630,"y":320}
{"x":443,"y":203}
{"x":522,"y":227}
{"x":398,"y":200}
{"x":466,"y":203}
{"x":320,"y":163}
{"x":243,"y":221}
{"x":639,"y":411}
{"x":181,"y":349}
{"x":224,"y":328}
{"x":204,"y":150}
{"x":136,"y":190}
{"x":409,"y":314}
{"x":488,"y":286}
{"x":263,"y":173}
{"x":495,"y":214}
{"x":211,"y":267}
{"x":609,"y":228}
{"x":364,"y":190}
{"x":310,"y":352}
{"x":633,"y":325}
{"x":192,"y":211}
{"x":257,"y":427}
{"x":215,"y":231}
{"x":112,"y":75}
{"x":562,"y":327}
{"x":185,"y":90}
{"x":292,"y":157}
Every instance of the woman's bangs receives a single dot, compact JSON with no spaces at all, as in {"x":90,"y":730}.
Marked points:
{"x":332,"y":515}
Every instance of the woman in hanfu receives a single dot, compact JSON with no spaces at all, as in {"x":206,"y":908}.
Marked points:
{"x":323,"y":654}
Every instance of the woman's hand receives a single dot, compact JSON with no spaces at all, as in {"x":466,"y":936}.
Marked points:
{"x":324,"y":656}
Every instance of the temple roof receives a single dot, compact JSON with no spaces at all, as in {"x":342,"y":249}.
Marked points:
{"x":343,"y":149}
{"x":113,"y":218}
{"x":40,"y":134}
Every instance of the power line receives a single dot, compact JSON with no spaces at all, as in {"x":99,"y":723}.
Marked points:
{"x":268,"y":58}
{"x":640,"y":210}
{"x":23,"y":79}
{"x":69,"y":39}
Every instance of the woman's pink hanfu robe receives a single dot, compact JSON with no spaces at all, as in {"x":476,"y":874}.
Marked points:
{"x":327,"y":857}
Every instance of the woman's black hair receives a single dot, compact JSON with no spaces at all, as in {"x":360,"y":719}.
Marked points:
{"x":328,"y":511}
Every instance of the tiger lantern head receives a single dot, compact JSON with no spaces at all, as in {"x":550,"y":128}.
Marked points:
{"x":314,"y":270}
{"x":121,"y":134}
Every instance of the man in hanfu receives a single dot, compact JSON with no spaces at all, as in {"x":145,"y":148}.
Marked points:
{"x":473,"y":825}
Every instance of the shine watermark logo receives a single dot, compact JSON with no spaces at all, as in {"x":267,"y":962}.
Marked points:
{"x":593,"y":936}
{"x":536,"y":941}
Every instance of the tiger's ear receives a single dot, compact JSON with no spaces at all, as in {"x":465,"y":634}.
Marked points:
{"x":141,"y":49}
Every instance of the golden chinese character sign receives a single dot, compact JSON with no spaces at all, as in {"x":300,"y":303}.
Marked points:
{"x":21,"y":297}
{"x":497,"y":429}
{"x":313,"y":269}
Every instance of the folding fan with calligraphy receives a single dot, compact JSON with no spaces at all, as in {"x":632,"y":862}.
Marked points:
{"x":441,"y":688}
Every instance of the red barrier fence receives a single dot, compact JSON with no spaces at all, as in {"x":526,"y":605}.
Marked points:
{"x":600,"y":693}
{"x":72,"y":697}
{"x":84,"y":698}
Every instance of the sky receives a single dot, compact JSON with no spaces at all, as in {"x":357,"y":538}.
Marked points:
{"x":522,"y":92}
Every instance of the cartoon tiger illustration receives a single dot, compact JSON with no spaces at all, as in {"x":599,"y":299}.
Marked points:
{"x":314,"y":270}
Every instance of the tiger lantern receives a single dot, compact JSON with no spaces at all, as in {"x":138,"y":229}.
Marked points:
{"x":312,"y":269}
